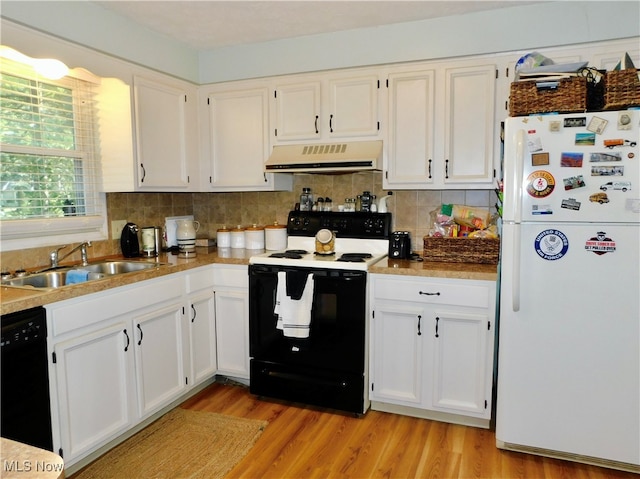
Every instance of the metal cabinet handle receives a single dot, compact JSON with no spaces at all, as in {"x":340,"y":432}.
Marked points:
{"x":126,"y":348}
{"x":141,"y":334}
{"x":193,"y":308}
{"x":446,"y":169}
{"x":437,"y":320}
{"x":331,"y":123}
{"x":419,"y":332}
{"x":429,"y":168}
{"x":144,"y":173}
{"x":316,"y":124}
{"x":437,"y":293}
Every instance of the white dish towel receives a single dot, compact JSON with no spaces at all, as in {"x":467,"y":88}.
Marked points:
{"x":294,"y":316}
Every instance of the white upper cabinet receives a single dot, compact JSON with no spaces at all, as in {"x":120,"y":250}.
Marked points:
{"x":411,"y":129}
{"x":442,"y":126}
{"x":164,"y":136}
{"x":326,"y":107}
{"x":469,"y":125}
{"x":235,"y":132}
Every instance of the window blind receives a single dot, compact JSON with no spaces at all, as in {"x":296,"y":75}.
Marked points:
{"x":49,"y":146}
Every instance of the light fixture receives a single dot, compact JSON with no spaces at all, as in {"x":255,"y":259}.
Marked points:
{"x":47,"y":67}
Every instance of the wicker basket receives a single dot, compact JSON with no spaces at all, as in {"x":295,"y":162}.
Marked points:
{"x":621,"y":89}
{"x":570,"y":96}
{"x":461,"y":250}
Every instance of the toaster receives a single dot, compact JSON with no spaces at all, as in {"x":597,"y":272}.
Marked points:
{"x":400,"y":245}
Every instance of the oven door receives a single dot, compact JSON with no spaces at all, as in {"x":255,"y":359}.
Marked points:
{"x":327,"y":368}
{"x":337,"y":330}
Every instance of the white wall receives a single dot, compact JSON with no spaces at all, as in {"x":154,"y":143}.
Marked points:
{"x":517,"y":28}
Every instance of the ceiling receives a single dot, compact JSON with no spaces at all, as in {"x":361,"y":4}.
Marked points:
{"x":206,"y":25}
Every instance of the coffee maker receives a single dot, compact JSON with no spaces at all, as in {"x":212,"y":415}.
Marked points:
{"x":129,"y":241}
{"x":400,"y":245}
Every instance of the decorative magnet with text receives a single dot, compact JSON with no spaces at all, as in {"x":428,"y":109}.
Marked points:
{"x":600,"y":244}
{"x":551,"y":244}
{"x":540,"y":184}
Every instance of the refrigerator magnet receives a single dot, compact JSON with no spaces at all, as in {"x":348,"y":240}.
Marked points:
{"x":570,"y":204}
{"x":551,"y":244}
{"x":539,"y":159}
{"x":585,"y":139}
{"x":597,"y":125}
{"x":571,"y":160}
{"x":574,"y":182}
{"x":600,"y":244}
{"x":540,"y":184}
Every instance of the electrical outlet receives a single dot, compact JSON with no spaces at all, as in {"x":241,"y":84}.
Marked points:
{"x":116,"y":228}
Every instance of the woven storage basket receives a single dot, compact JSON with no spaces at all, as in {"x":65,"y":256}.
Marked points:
{"x":461,"y":250}
{"x":621,"y":89}
{"x":570,"y":96}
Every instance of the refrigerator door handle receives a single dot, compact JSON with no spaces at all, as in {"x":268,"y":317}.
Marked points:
{"x":515,"y":277}
{"x":518,"y":179}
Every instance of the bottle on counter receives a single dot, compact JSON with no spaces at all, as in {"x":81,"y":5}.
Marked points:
{"x":306,"y":200}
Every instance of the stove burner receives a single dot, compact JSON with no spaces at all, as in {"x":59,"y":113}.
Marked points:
{"x":324,"y":254}
{"x":354,"y":257}
{"x":289,"y":254}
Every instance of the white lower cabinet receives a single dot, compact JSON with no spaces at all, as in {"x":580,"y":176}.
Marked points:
{"x":431,"y":347}
{"x":200,"y":312}
{"x":232,"y":319}
{"x":94,"y":377}
{"x":160,"y":369}
{"x":122,"y":355}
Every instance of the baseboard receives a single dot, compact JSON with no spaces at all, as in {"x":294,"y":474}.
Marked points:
{"x":433,"y":415}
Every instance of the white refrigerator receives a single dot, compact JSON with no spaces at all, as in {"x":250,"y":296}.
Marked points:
{"x":569,"y":342}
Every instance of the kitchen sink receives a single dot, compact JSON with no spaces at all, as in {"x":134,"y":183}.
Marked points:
{"x":118,"y":267}
{"x":49,"y":279}
{"x":58,"y":277}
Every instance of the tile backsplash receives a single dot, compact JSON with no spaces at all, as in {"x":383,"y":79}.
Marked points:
{"x":410,"y":210}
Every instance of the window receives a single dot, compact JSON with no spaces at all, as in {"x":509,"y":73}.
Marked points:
{"x":49,"y":166}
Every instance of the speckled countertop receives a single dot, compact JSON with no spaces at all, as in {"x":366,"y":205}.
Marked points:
{"x":487,"y":272}
{"x":21,"y":461}
{"x":17,"y":299}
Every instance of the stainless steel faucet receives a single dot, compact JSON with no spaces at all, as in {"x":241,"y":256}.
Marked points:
{"x":53,"y":256}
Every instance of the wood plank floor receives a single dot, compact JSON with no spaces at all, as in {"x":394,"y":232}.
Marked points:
{"x":308,"y":443}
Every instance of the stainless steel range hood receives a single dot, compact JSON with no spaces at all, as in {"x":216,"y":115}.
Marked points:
{"x":327,"y":158}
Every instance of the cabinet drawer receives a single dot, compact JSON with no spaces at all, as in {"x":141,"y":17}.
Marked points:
{"x":459,"y":292}
{"x":200,"y":278}
{"x":231,"y":276}
{"x":93,"y":308}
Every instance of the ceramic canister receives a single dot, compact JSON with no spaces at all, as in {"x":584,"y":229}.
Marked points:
{"x":237,"y":237}
{"x":254,"y":237}
{"x":223,"y":237}
{"x":275,"y":237}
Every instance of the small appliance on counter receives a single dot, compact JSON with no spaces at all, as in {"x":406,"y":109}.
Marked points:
{"x":400,"y":245}
{"x":170,"y":227}
{"x":129,"y":241}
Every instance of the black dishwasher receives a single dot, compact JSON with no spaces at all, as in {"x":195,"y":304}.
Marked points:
{"x":26,"y":407}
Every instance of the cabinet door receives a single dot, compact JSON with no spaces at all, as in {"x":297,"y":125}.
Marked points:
{"x":161,"y":136}
{"x":352,"y":108}
{"x":397,"y":353}
{"x":202,"y":336}
{"x":95,"y":390}
{"x":411,"y":129}
{"x":159,"y":357}
{"x":232,"y":332}
{"x":297,"y":111}
{"x":460,"y":381}
{"x":239,"y":137}
{"x":469,"y":123}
